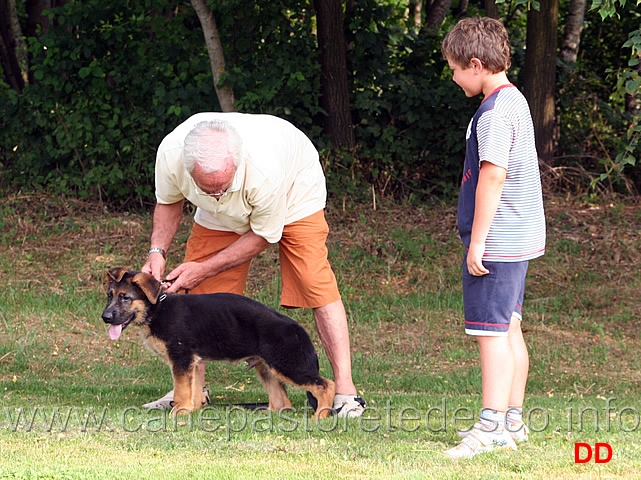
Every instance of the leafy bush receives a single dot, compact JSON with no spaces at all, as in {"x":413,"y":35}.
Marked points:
{"x":102,"y":101}
{"x":271,"y":59}
{"x":113,"y":78}
{"x":598,"y":138}
{"x":409,"y":116}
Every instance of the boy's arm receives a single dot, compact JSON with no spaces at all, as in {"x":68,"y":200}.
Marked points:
{"x":488,"y":195}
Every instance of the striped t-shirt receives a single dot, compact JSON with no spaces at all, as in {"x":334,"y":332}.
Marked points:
{"x":501,"y":132}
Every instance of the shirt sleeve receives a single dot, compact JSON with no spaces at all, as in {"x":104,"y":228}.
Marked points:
{"x":495,"y":134}
{"x":167,"y":185}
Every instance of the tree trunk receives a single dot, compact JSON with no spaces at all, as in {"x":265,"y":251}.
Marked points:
{"x":215,"y":51}
{"x":573,"y":29}
{"x":38,"y":23}
{"x":491,"y":9}
{"x":414,"y":12}
{"x":334,"y":77}
{"x":540,"y":74}
{"x":12,"y":50}
{"x":35,"y":17}
{"x":436,"y":13}
{"x":462,"y":8}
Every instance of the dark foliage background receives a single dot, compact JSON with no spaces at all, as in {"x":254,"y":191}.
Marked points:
{"x":112,"y":78}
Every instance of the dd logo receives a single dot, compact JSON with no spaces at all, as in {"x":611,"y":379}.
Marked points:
{"x":588,"y":455}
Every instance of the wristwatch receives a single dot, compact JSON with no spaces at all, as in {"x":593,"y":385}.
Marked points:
{"x":157,"y":250}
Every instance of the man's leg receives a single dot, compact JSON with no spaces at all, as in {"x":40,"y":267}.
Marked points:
{"x":309,"y":282}
{"x":331,"y":323}
{"x":202,"y":245}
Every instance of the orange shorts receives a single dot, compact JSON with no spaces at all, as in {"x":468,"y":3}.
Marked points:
{"x":307,"y":278}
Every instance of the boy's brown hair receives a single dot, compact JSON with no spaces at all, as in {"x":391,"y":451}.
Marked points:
{"x":478,"y":37}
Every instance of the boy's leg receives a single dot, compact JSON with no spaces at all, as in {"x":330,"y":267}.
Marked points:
{"x":490,"y":301}
{"x":521,"y":362}
{"x":491,"y":399}
{"x":497,"y":372}
{"x":504,"y":368}
{"x":514,"y":420}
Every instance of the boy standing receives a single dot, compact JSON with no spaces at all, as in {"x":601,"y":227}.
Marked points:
{"x":502,"y":225}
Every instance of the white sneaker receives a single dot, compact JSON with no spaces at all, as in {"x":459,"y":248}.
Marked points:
{"x":349,"y":406}
{"x":168,"y":401}
{"x":164,"y":402}
{"x":478,"y":441}
{"x":518,"y":431}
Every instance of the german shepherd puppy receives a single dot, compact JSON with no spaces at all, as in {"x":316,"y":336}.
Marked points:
{"x":187,"y":329}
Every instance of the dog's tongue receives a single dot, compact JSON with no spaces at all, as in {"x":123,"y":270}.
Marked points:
{"x":115,"y":331}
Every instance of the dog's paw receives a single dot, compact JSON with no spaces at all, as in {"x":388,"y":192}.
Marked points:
{"x":181,"y":410}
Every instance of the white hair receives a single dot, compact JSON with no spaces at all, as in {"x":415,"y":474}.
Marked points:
{"x":198,"y":148}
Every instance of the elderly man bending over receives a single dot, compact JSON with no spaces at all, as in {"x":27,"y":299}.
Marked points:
{"x":255,"y":180}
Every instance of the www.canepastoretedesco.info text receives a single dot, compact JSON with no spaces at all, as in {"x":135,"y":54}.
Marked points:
{"x":606,"y":416}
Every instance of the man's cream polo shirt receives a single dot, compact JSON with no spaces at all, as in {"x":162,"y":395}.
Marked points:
{"x":279,"y":180}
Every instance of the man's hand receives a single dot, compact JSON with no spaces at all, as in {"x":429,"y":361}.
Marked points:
{"x":155,"y":265}
{"x":186,"y":276}
{"x":190,"y":274}
{"x":166,"y":221}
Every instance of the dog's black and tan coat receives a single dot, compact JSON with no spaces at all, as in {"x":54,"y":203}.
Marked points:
{"x":188,"y":329}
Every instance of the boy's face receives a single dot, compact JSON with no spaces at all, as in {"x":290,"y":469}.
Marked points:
{"x":468,"y":78}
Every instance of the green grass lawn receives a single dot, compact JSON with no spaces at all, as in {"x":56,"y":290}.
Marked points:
{"x":70,"y":398}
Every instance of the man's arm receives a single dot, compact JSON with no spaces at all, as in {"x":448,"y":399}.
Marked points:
{"x":165,"y":225}
{"x":188,"y":275}
{"x":488,"y":195}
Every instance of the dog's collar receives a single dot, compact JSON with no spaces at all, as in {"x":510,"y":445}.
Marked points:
{"x":162,"y":297}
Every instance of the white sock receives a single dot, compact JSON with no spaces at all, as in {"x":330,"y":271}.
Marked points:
{"x":492,"y":421}
{"x":514,"y":415}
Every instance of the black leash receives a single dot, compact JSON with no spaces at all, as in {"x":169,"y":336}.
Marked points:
{"x":247,"y":405}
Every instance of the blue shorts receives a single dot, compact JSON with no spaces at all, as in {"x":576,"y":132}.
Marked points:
{"x":491,"y":300}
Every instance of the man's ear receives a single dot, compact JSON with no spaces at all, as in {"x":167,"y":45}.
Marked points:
{"x":149,"y":286}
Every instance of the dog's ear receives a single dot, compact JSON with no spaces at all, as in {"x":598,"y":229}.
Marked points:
{"x":116,"y":274}
{"x":149,"y":286}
